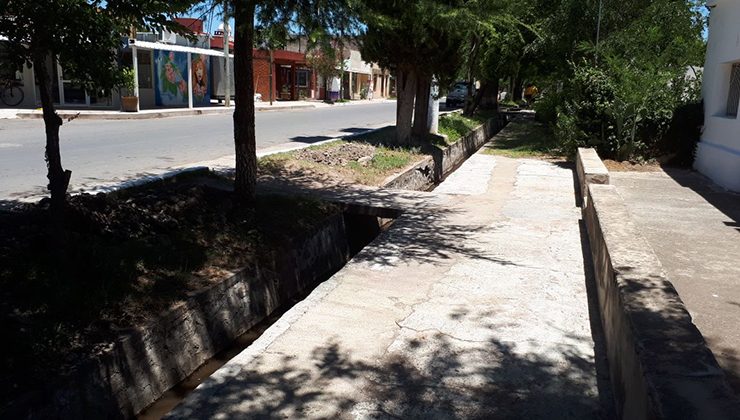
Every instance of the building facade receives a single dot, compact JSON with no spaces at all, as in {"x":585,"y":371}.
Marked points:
{"x":175,"y":71}
{"x":718,"y":152}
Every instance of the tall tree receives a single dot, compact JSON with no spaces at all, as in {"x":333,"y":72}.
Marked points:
{"x":415,"y":40}
{"x":83,"y":36}
{"x":497,"y":35}
{"x":315,"y":17}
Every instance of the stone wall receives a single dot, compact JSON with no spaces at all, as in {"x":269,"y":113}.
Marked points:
{"x":141,"y":365}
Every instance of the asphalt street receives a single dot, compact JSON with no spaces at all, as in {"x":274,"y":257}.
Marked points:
{"x":109,"y":151}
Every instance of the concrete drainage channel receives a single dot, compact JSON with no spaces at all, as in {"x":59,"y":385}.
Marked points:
{"x":360,"y":227}
{"x":362,"y":224}
{"x":148,"y":371}
{"x":659,"y":363}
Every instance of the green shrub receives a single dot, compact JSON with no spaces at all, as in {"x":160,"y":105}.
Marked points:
{"x":623,"y":111}
{"x":128,"y":80}
{"x":547,"y":107}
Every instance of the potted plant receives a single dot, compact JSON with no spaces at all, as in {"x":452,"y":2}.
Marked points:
{"x":129,"y":103}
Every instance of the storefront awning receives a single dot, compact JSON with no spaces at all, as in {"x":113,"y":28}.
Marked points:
{"x":178,"y":48}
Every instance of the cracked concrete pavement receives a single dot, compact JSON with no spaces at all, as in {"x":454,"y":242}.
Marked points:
{"x":474,"y":304}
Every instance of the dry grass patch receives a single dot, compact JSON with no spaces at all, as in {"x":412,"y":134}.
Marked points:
{"x":525,"y":139}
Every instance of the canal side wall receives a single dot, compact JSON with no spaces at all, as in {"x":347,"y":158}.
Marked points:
{"x":659,"y":363}
{"x":433,"y":169}
{"x":141,"y":365}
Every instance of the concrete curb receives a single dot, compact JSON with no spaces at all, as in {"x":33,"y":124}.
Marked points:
{"x":108,"y":115}
{"x":660,"y":365}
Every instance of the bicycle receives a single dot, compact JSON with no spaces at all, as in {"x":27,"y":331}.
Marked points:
{"x":10,"y":92}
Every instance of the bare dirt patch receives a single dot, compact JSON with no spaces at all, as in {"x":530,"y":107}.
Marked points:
{"x":366,"y":159}
{"x":625,"y":166}
{"x":341,"y":155}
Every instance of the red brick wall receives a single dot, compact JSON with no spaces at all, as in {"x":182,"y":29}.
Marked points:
{"x":262,"y":71}
{"x":262,"y":78}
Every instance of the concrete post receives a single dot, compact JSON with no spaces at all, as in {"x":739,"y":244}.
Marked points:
{"x":433,"y":114}
{"x":351,"y":87}
{"x":135,"y":63}
{"x":190,"y":81}
{"x":272,"y":66}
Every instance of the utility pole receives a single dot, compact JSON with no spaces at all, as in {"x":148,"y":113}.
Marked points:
{"x":598,"y":29}
{"x":271,"y":66}
{"x":227,"y":70}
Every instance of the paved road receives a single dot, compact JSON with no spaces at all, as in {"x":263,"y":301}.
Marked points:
{"x":105,"y":151}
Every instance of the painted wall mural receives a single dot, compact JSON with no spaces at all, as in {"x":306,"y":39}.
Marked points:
{"x":172,"y":78}
{"x":201,"y":68}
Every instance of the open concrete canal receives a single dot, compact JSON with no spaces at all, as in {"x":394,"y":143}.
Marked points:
{"x":361,"y":226}
{"x":476,"y":303}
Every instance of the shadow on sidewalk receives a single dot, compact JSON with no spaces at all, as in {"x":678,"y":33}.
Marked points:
{"x":723,"y":200}
{"x":438,"y":376}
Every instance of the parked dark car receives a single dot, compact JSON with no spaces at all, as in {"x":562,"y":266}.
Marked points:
{"x":458,"y":93}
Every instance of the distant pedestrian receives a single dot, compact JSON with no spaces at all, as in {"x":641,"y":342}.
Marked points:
{"x":530,"y":93}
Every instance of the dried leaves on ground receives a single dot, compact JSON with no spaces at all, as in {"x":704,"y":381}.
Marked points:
{"x":116,"y":262}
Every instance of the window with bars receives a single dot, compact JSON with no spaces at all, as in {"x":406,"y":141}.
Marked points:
{"x":733,"y":97}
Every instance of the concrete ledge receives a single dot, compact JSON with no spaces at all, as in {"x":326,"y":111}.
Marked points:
{"x":150,"y":114}
{"x":660,"y":365}
{"x":590,"y":169}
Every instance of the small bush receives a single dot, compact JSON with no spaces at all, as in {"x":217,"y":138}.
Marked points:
{"x":624,"y":112}
{"x":547,"y":108}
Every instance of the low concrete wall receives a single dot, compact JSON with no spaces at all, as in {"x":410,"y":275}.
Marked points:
{"x":660,"y":365}
{"x":432,"y":170}
{"x":590,"y":170}
{"x":140,"y":366}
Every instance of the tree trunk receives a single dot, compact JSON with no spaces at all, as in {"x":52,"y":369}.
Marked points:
{"x":421,"y":108}
{"x":489,"y":100}
{"x":405,"y":91}
{"x":245,"y":182}
{"x":517,"y":88}
{"x":58,"y":177}
{"x":472,"y":105}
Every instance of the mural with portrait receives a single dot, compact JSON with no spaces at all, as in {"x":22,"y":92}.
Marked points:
{"x":201,"y":68}
{"x":172,"y":78}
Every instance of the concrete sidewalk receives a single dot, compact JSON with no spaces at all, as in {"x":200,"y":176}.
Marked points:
{"x":106,"y":114}
{"x":473,"y":304}
{"x":694,"y":227}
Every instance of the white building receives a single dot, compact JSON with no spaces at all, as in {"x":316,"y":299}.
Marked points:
{"x":718,"y":153}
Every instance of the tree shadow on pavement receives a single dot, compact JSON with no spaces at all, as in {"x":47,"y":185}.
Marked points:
{"x":432,"y":375}
{"x":429,"y":229}
{"x":723,"y":200}
{"x":309,"y":139}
